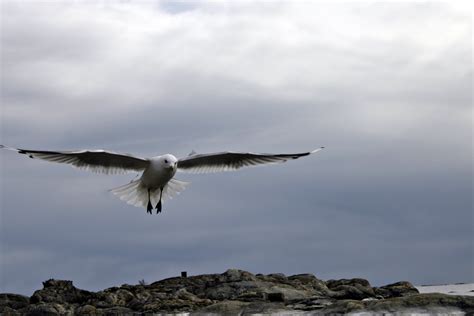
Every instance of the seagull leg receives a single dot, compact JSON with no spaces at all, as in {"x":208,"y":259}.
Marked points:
{"x":158,"y":206}
{"x":149,"y":207}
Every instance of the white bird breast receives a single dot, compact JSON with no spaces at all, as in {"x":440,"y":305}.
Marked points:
{"x":157,"y":174}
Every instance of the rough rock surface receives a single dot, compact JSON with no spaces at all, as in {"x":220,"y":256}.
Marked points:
{"x":232,"y":292}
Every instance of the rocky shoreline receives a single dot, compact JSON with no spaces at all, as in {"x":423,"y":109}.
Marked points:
{"x":234,"y":292}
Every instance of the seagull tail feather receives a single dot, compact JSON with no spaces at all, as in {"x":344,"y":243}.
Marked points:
{"x":173,"y":188}
{"x":133,"y":193}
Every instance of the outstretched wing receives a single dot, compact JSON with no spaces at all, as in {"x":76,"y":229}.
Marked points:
{"x":99,"y":161}
{"x":229,"y":161}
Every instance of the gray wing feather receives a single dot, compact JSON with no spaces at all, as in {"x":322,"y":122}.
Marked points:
{"x":230,"y":161}
{"x":99,"y":161}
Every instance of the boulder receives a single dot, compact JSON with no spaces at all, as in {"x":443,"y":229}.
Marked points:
{"x":47,"y":309}
{"x":356,"y":289}
{"x":398,"y":289}
{"x":86,"y":310}
{"x":433,"y":303}
{"x":310,"y":282}
{"x":116,"y":311}
{"x":60,"y":291}
{"x":233,"y":292}
{"x":13,"y":301}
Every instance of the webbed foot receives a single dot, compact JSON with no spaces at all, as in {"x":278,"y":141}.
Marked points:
{"x":158,"y":207}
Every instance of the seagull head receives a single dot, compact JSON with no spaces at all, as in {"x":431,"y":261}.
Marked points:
{"x":169,"y":162}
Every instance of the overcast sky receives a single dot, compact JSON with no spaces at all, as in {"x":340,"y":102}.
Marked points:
{"x":387,"y":88}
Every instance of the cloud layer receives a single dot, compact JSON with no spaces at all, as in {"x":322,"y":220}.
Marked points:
{"x":386,"y":87}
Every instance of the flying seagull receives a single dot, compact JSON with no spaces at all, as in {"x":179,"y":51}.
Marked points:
{"x":157,"y":182}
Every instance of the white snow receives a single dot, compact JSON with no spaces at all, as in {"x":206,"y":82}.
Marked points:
{"x":453,"y":289}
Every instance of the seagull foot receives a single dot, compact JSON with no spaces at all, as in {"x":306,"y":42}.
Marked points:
{"x":149,"y":207}
{"x":158,"y":207}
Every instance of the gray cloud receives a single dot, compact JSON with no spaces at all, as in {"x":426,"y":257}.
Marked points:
{"x":384,"y":87}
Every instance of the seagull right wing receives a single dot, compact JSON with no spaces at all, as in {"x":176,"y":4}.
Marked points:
{"x":229,"y":161}
{"x":99,"y":161}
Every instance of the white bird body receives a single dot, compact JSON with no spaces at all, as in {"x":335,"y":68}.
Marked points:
{"x":160,"y":170}
{"x":157,"y":181}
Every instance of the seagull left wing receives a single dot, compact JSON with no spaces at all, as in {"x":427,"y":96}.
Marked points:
{"x":229,"y":161}
{"x":99,"y":161}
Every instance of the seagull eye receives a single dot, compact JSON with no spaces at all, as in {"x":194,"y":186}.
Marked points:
{"x":166,"y":161}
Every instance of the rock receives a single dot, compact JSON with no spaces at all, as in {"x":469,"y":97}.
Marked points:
{"x":331,"y":284}
{"x":220,"y":293}
{"x":288,"y":293}
{"x":7,"y":311}
{"x":252,"y":296}
{"x":315,"y":303}
{"x":185,"y":295}
{"x":309,"y":281}
{"x":398,"y":289}
{"x":117,"y":311}
{"x":86,"y":310}
{"x":343,"y":307}
{"x":225,"y":308}
{"x":356,"y":289}
{"x":122,"y":297}
{"x":277,"y":276}
{"x":60,"y":291}
{"x":258,"y":308}
{"x":276,"y":297}
{"x":424,"y":301}
{"x":242,"y":308}
{"x":13,"y":301}
{"x":48,"y":309}
{"x":233,"y":292}
{"x":432,"y":303}
{"x":234,"y":275}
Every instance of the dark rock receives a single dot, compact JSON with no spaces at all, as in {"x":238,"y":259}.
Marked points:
{"x":314,"y":304}
{"x":398,"y":289}
{"x":276,"y":297}
{"x":234,"y":275}
{"x":430,"y":300}
{"x":331,"y":284}
{"x":433,"y":303}
{"x":86,"y":310}
{"x":356,"y":292}
{"x":242,"y":308}
{"x":13,"y":301}
{"x":232,"y":292}
{"x":117,"y":311}
{"x":356,"y":289}
{"x":252,"y":296}
{"x":343,"y":307}
{"x":48,"y":309}
{"x":7,"y":311}
{"x":263,"y":308}
{"x":60,"y":291}
{"x":225,"y":308}
{"x":310,"y":282}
